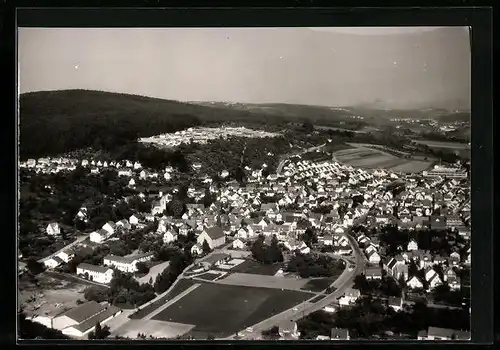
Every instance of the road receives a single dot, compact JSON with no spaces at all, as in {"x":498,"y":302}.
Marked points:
{"x":282,"y":162}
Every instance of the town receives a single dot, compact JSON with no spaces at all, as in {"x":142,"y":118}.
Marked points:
{"x":318,"y":241}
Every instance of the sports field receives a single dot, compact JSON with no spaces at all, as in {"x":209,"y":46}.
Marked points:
{"x":222,"y":310}
{"x":252,"y":280}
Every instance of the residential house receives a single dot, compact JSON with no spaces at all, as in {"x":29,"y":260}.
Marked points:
{"x":110,"y":227}
{"x":288,"y":330}
{"x":53,"y":229}
{"x":214,"y":236}
{"x":432,"y":278}
{"x":124,"y":224}
{"x":437,"y":333}
{"x":99,"y":236}
{"x":169,"y":236}
{"x":239,"y":243}
{"x":396,"y":268}
{"x":53,"y":262}
{"x":95,"y":273}
{"x":438,"y":223}
{"x":66,"y":255}
{"x":135,"y":219}
{"x":414,"y":283}
{"x":326,"y":239}
{"x":396,"y":303}
{"x":412,"y":245}
{"x":349,"y":297}
{"x":373,"y":273}
{"x":126,"y":264}
{"x":196,"y":249}
{"x":373,"y":257}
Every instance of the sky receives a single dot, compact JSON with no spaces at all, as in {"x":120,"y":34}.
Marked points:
{"x":396,"y":67}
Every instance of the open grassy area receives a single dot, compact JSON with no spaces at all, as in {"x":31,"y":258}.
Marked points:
{"x":221,"y":310}
{"x":318,"y":284}
{"x":181,"y":286}
{"x":208,"y":276}
{"x":254,"y":267}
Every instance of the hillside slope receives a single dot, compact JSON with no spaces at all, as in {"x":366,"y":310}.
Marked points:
{"x":53,"y":122}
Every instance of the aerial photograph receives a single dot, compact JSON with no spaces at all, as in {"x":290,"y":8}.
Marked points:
{"x":278,"y":183}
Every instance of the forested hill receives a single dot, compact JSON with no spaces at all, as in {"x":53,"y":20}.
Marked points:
{"x":54,"y":122}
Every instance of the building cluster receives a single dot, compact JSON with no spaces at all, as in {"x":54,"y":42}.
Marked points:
{"x":327,"y":196}
{"x":78,"y":321}
{"x":202,"y":136}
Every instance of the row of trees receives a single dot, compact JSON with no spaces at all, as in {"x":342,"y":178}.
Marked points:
{"x":178,"y":262}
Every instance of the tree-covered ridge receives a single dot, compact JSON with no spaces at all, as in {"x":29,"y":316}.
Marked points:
{"x":53,"y":122}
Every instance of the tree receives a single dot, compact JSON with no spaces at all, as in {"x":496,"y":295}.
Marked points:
{"x":307,"y":126}
{"x":210,"y":337}
{"x":142,"y":267}
{"x":206,"y":247}
{"x":309,"y":237}
{"x":99,"y":332}
{"x":35,"y":267}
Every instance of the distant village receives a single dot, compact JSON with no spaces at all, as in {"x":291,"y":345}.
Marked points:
{"x":202,"y":136}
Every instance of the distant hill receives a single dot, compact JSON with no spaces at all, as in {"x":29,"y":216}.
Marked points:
{"x":294,"y":112}
{"x":53,"y":122}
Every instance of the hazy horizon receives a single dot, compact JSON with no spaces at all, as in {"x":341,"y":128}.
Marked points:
{"x":393,"y":67}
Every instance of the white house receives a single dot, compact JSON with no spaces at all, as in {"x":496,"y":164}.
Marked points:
{"x":169,"y":236}
{"x":66,"y":255}
{"x":373,"y":257}
{"x":196,"y":249}
{"x":396,"y":303}
{"x":95,"y":273}
{"x":238,"y":244}
{"x":53,"y":229}
{"x":414,"y":283}
{"x":99,"y":236}
{"x":110,"y":227}
{"x":412,"y":245}
{"x":126,"y":264}
{"x":134,"y":219}
{"x":349,"y":297}
{"x":53,"y":262}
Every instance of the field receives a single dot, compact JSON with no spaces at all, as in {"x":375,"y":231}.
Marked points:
{"x":254,"y":267}
{"x":318,"y":284}
{"x":50,"y":296}
{"x":251,"y":280}
{"x":441,"y":144}
{"x":222,"y":310}
{"x":209,"y":276}
{"x":181,"y":286}
{"x":364,"y":157}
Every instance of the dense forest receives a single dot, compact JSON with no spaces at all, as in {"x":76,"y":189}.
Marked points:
{"x":53,"y":122}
